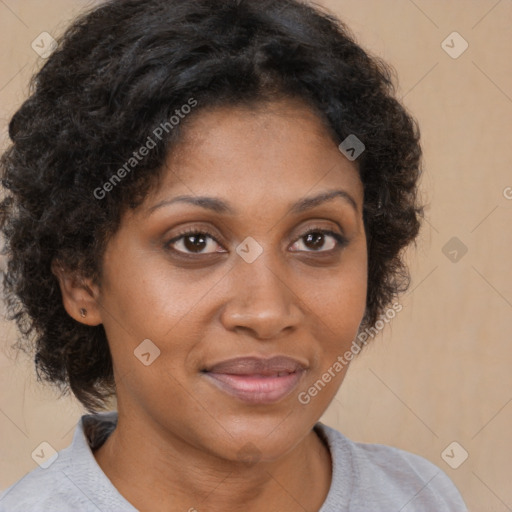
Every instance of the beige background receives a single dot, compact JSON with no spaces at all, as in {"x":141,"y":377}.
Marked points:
{"x":442,"y":371}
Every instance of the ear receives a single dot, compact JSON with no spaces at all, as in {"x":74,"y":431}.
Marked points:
{"x":78,"y":295}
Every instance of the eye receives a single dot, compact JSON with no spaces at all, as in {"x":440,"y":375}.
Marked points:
{"x":321,"y":240}
{"x":203,"y":242}
{"x":194,"y":242}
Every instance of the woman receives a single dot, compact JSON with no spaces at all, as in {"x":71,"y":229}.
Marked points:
{"x":206,"y":204}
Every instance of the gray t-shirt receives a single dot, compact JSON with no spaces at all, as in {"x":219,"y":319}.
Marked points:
{"x":365,"y":478}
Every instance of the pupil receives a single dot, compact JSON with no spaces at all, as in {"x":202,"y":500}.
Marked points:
{"x":194,"y":246}
{"x":198,"y":242}
{"x":316,"y":237}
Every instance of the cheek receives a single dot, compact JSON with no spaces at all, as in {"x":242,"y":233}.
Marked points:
{"x":338,"y":300}
{"x":146,"y":296}
{"x":337,"y":308}
{"x":338,"y":304}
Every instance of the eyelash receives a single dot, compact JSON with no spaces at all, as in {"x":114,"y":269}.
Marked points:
{"x":340,"y":240}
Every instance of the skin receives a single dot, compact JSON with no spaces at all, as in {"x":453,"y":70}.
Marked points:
{"x":179,"y":439}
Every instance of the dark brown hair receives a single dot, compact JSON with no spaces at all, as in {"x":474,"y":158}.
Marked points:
{"x":125,"y":68}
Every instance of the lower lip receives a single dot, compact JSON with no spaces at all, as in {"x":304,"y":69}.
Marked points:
{"x":256,"y":389}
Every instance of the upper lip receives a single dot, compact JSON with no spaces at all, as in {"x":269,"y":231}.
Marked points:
{"x":257,"y":365}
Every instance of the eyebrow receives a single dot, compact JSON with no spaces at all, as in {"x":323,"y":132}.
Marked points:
{"x":221,"y":207}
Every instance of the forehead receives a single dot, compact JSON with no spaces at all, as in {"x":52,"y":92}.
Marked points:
{"x":279,"y":150}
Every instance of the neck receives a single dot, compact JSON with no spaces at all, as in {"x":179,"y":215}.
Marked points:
{"x":171,"y":475}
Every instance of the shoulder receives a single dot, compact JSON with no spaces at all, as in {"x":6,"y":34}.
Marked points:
{"x":44,"y":489}
{"x":386,"y":478}
{"x":71,"y":479}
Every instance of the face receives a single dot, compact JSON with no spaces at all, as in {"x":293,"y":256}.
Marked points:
{"x":249,"y":294}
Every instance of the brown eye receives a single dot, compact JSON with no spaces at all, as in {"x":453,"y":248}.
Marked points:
{"x":320,"y":240}
{"x":194,"y":242}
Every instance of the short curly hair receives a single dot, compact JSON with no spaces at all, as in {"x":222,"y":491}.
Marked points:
{"x":124,"y":68}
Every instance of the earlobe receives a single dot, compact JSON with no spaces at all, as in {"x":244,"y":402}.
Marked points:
{"x":78,"y":295}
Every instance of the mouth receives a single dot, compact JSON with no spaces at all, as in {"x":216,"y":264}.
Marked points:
{"x":256,"y":380}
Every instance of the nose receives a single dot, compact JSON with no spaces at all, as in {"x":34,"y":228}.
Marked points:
{"x":261,"y":300}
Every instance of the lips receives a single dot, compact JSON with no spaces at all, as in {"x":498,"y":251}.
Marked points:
{"x":257,"y":380}
{"x":256,"y":365}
